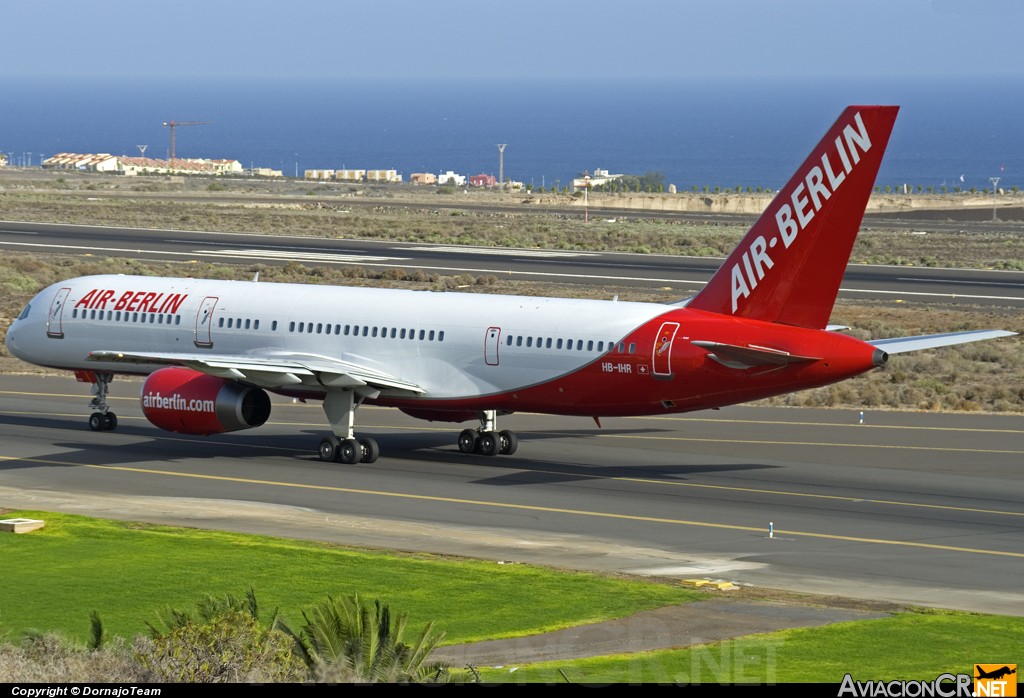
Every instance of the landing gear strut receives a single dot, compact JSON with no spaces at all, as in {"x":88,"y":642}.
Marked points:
{"x":102,"y":419}
{"x":487,"y":440}
{"x":342,"y":446}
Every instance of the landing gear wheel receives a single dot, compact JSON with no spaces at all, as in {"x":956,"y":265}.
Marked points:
{"x":368,"y":450}
{"x":489,"y":443}
{"x":329,"y":448}
{"x":509,"y":443}
{"x":467,"y":441}
{"x":109,"y":421}
{"x":96,"y":421}
{"x":349,"y":452}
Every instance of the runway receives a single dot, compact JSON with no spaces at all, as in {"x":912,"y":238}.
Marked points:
{"x":908,"y":507}
{"x":682,"y":276}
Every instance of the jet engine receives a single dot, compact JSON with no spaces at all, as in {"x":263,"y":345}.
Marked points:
{"x":189,"y":402}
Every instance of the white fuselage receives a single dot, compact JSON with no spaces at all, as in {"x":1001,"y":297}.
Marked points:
{"x":452,"y":345}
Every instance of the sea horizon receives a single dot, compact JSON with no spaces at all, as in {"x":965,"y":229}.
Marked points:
{"x":956,"y":132}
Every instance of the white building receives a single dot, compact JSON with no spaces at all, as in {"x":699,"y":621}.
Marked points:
{"x":450,"y":177}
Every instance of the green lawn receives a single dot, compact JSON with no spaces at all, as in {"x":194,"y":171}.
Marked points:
{"x":906,"y":646}
{"x":53,"y":578}
{"x":129,"y":572}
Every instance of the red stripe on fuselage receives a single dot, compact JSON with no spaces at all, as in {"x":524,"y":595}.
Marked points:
{"x":630,"y":386}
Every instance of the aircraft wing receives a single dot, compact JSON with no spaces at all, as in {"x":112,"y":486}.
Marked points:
{"x":276,"y":371}
{"x":898,"y":345}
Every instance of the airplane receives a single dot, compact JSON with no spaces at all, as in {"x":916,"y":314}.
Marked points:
{"x":995,"y":674}
{"x":212,"y":349}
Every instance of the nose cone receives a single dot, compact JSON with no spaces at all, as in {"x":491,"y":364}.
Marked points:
{"x":11,"y":339}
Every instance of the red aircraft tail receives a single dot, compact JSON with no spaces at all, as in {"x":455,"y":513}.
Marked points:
{"x":789,"y":266}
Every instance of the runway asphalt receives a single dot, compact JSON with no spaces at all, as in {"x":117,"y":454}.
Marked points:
{"x":910,"y":508}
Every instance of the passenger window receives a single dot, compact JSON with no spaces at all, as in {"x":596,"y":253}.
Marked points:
{"x":508,"y":340}
{"x":291,"y":326}
{"x":590,"y":345}
{"x":548,"y":343}
{"x":431,"y":335}
{"x":558,"y":344}
{"x":440,"y":336}
{"x":519,"y":341}
{"x":632,"y":347}
{"x":529,"y":341}
{"x":247,"y":321}
{"x":422,"y":335}
{"x":319,"y":328}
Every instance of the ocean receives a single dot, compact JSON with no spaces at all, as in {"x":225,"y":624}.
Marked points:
{"x":953,"y":132}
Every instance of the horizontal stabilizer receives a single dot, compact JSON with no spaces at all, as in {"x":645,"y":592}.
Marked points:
{"x":898,"y":345}
{"x":750,"y":356}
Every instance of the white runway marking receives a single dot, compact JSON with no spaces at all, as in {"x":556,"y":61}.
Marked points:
{"x":459,"y":249}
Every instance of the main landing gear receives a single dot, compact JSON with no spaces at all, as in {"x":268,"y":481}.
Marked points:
{"x":342,"y":446}
{"x":487,"y":440}
{"x":102,"y":419}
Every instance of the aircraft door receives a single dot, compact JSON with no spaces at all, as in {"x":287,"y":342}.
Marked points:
{"x":491,"y":340}
{"x":662,"y":359}
{"x":55,"y":321}
{"x":204,"y":322}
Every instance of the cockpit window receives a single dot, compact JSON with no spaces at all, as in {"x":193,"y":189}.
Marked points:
{"x":24,"y":313}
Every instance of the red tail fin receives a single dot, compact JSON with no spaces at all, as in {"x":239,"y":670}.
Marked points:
{"x":789,"y":266}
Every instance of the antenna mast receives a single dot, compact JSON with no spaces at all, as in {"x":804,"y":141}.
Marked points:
{"x":501,"y":165}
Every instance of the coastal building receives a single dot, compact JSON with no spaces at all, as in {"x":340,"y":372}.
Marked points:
{"x":319,"y":174}
{"x":266,"y":172}
{"x":599,"y":178}
{"x":104,"y":162}
{"x":86,"y":162}
{"x":349,"y":175}
{"x":450,"y":177}
{"x":3,"y":159}
{"x":423,"y":178}
{"x":390,"y":176}
{"x":483,"y":180}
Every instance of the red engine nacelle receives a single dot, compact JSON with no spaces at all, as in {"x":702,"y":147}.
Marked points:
{"x":189,"y":402}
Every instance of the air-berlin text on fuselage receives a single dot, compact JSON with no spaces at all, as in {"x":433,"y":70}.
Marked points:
{"x":177,"y":402}
{"x":141,"y":301}
{"x":805,"y":200}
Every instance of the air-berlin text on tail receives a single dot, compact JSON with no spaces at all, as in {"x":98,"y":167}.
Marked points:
{"x":806,"y":199}
{"x":142,"y":301}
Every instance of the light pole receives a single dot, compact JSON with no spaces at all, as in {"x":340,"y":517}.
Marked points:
{"x":586,"y":192}
{"x":995,"y":183}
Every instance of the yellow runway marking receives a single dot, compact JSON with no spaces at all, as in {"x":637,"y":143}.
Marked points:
{"x":527,"y":507}
{"x":771,"y":422}
{"x":765,"y":442}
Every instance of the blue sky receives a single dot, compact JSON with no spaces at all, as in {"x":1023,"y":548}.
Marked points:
{"x":514,"y":39}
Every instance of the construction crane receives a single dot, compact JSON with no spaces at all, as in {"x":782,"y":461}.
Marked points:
{"x":172,"y":124}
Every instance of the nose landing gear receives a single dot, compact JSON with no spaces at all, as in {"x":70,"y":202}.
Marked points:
{"x":102,"y":419}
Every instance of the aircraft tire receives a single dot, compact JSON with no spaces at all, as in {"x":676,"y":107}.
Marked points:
{"x":467,"y":441}
{"x":509,"y":442}
{"x":369,"y":450}
{"x":328,"y":450}
{"x":96,"y":421}
{"x":489,"y":443}
{"x":349,"y":452}
{"x":109,"y":421}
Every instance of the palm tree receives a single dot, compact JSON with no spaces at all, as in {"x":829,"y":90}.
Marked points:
{"x":349,"y":639}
